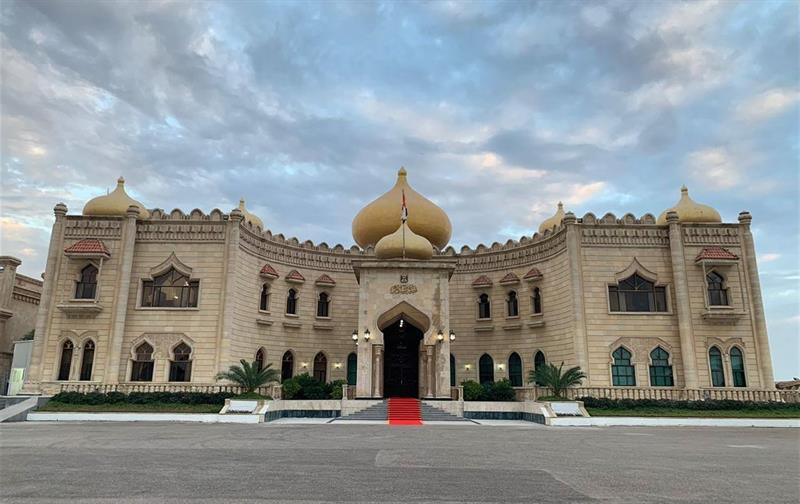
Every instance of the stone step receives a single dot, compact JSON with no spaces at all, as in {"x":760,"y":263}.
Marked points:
{"x":433,"y":414}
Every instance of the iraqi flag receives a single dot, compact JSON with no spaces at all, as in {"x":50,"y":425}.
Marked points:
{"x":404,"y":211}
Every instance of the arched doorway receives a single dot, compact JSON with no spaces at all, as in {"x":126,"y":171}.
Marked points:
{"x":401,"y":359}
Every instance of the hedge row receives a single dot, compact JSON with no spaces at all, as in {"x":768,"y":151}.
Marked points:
{"x":710,"y":404}
{"x":488,"y":391}
{"x":304,"y":386}
{"x":142,"y":398}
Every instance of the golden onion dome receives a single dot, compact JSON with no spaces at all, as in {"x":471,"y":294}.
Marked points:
{"x":553,"y":221}
{"x":404,"y":244}
{"x":690,"y":211}
{"x":249,"y":217}
{"x":114,"y":203}
{"x":382,"y":216}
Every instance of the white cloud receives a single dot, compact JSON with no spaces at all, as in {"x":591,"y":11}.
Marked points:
{"x":768,"y":104}
{"x":768,"y":257}
{"x":715,"y":167}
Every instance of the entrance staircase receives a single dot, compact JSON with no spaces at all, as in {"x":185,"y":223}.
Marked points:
{"x":402,"y":411}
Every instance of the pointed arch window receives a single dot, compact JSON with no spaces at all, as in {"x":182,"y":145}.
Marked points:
{"x":323,"y":305}
{"x":261,"y":357}
{"x":291,"y":302}
{"x":170,"y":290}
{"x":484,"y":307}
{"x":637,"y":294}
{"x":512,"y":304}
{"x":737,"y":368}
{"x":65,"y":364}
{"x":660,"y":369}
{"x":538,"y":362}
{"x":87,"y":361}
{"x":86,"y":288}
{"x":352,"y":368}
{"x":452,"y":370}
{"x":180,"y":368}
{"x":536,"y":301}
{"x":486,"y":369}
{"x":515,"y":369}
{"x":142,"y":369}
{"x":715,"y":364}
{"x":263,"y":302}
{"x":321,"y":367}
{"x":622,"y":371}
{"x":717,"y":293}
{"x":287,"y":366}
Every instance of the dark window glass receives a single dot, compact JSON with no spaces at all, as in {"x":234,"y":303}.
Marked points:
{"x":484,"y":308}
{"x":512,"y":304}
{"x":86,"y":288}
{"x":352,"y":368}
{"x":538,"y":361}
{"x":660,"y":370}
{"x":717,"y":293}
{"x":515,"y":369}
{"x":321,"y":367}
{"x":263,"y":303}
{"x":737,"y":368}
{"x":622,"y":372}
{"x":287,"y":366}
{"x":635,"y":294}
{"x":180,"y":369}
{"x":66,"y":360}
{"x":170,"y":290}
{"x":485,"y":369}
{"x":536,"y":300}
{"x":260,"y":358}
{"x":715,"y":362}
{"x":452,"y":370}
{"x":291,"y":302}
{"x":87,"y":361}
{"x":142,"y":369}
{"x":323,"y":303}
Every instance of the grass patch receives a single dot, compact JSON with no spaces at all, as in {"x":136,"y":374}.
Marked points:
{"x":131,"y":408}
{"x":688,"y":413}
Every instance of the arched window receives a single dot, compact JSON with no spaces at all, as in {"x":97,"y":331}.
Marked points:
{"x":717,"y":293}
{"x":170,"y":290}
{"x":291,"y":302}
{"x":536,"y":301}
{"x":515,"y":369}
{"x":323,"y":303}
{"x":352,"y":368}
{"x":660,"y":370}
{"x":512,"y":304}
{"x":538,"y":362}
{"x":715,"y":363}
{"x":321,"y":367}
{"x":86,"y":288}
{"x":635,"y":294}
{"x":287,"y":366}
{"x":142,"y":369}
{"x":484,"y":308}
{"x":180,"y":369}
{"x":486,"y":369}
{"x":452,"y":370}
{"x":737,"y":367}
{"x":87,"y":361}
{"x":261,"y":356}
{"x":622,"y":372}
{"x":263,"y":303}
{"x":66,"y":360}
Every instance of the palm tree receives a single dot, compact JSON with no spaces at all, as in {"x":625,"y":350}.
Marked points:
{"x":249,"y":376}
{"x":550,"y":375}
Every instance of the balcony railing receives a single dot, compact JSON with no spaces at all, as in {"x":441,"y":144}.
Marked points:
{"x":273,"y":390}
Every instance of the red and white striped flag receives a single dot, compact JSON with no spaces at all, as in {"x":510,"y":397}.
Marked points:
{"x":404,"y":211}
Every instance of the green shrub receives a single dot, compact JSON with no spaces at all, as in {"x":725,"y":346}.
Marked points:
{"x":96,"y":398}
{"x":502,"y":391}
{"x":473,"y":391}
{"x":291,"y":388}
{"x":336,"y":388}
{"x":710,"y":404}
{"x":489,"y":391}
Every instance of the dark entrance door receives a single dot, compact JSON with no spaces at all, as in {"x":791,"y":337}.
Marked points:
{"x":401,"y":360}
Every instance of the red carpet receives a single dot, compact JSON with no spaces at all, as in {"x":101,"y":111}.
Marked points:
{"x":403,"y":411}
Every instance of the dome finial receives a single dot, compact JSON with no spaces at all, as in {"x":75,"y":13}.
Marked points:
{"x":120,"y":181}
{"x":402,"y":172}
{"x":684,"y":189}
{"x":689,"y":210}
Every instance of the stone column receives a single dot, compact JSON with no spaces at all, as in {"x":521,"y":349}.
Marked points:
{"x":576,"y":283}
{"x":756,"y":303}
{"x":120,"y":308}
{"x":681,"y":303}
{"x":377,"y":370}
{"x":8,"y":275}
{"x":429,"y":373}
{"x":227,"y":298}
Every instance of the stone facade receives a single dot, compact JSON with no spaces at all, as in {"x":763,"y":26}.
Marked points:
{"x":19,"y":302}
{"x":232,"y":261}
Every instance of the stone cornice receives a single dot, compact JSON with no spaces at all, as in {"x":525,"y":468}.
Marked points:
{"x":711,"y":234}
{"x":78,"y":226}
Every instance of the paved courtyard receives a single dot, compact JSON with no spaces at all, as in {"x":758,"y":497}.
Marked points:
{"x":147,"y":462}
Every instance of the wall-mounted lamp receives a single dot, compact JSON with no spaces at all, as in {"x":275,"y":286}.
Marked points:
{"x":401,"y":322}
{"x":304,"y":365}
{"x":440,"y":336}
{"x":337,"y":365}
{"x":355,"y":335}
{"x":467,"y":366}
{"x":501,"y":367}
{"x":452,"y":335}
{"x":366,"y":335}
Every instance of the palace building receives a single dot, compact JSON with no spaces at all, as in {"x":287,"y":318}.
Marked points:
{"x":134,"y":296}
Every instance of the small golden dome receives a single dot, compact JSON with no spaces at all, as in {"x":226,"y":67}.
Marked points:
{"x":382,"y":216}
{"x":553,"y":221}
{"x":416,"y":246}
{"x":115,"y":203}
{"x":248,"y":217}
{"x":690,"y":211}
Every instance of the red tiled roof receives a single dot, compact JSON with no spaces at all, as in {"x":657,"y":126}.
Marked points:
{"x":509,"y":278}
{"x":89,"y":247}
{"x":268,"y":270}
{"x":296,"y":276}
{"x":532,"y":274}
{"x":325,"y":280}
{"x":482,"y":281}
{"x":716,"y":253}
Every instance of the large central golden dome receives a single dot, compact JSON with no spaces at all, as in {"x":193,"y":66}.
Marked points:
{"x":382,"y":217}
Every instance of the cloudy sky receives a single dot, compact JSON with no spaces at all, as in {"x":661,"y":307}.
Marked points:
{"x":498,"y":110}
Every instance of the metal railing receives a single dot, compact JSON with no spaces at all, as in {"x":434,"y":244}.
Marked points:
{"x":671,"y":394}
{"x":273,"y":390}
